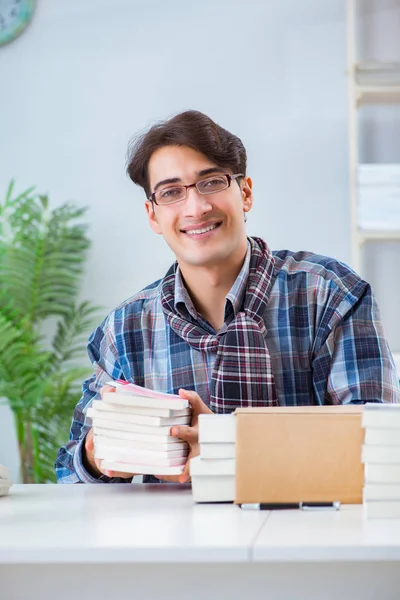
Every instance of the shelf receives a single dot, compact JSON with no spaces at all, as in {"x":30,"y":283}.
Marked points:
{"x":366,"y":235}
{"x":377,"y":95}
{"x":377,"y":75}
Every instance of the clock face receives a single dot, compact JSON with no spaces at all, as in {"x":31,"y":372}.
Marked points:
{"x":14,"y":18}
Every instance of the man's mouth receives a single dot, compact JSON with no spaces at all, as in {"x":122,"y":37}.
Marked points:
{"x":201,"y":230}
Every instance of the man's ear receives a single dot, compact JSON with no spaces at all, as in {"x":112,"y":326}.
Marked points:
{"x":247,"y":194}
{"x":152,"y":217}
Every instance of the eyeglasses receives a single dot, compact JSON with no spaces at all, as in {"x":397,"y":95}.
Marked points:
{"x":178,"y":193}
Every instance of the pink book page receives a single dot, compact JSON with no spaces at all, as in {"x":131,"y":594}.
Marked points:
{"x":137,"y":390}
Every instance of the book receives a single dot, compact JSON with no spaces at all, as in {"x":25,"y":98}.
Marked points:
{"x":118,"y":442}
{"x":217,"y":428}
{"x":4,"y":473}
{"x":115,"y":415}
{"x":212,"y":481}
{"x":382,"y":437}
{"x":200,"y":466}
{"x":213,"y":489}
{"x":137,"y":390}
{"x":140,"y":469}
{"x":381,"y":454}
{"x":105,"y":450}
{"x":5,"y":487}
{"x":110,"y":423}
{"x":375,"y":473}
{"x":210,"y":451}
{"x":146,"y":411}
{"x":129,"y":457}
{"x":382,"y":509}
{"x":381,"y":491}
{"x":135,"y":437}
{"x":126,"y":399}
{"x":381,"y":416}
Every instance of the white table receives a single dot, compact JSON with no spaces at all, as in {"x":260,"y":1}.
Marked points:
{"x":151,"y":541}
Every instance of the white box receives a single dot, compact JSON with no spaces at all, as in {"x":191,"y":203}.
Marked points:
{"x":217,"y":428}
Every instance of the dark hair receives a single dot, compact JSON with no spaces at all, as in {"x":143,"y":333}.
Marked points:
{"x":192,"y":129}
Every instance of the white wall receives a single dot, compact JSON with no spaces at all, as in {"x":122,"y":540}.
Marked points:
{"x":87,"y":75}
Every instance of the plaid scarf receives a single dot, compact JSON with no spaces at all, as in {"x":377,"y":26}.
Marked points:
{"x":242,"y":374}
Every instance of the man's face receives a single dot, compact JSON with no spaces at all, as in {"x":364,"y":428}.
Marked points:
{"x":180,"y":223}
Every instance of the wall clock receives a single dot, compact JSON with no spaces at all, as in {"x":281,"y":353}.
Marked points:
{"x":15,"y":15}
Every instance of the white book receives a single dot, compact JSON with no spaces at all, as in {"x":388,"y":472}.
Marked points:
{"x":4,"y":489}
{"x":217,"y":428}
{"x":4,"y":473}
{"x":375,"y":473}
{"x":117,"y":442}
{"x":382,"y":437}
{"x":96,"y":411}
{"x":382,"y":509}
{"x":381,"y":454}
{"x":210,"y":451}
{"x":147,"y":411}
{"x":212,"y":485}
{"x":381,"y":491}
{"x":130,"y":457}
{"x":381,"y":416}
{"x":213,"y":489}
{"x":120,"y":426}
{"x":140,"y":469}
{"x":161,"y":401}
{"x":137,"y":454}
{"x":137,"y":437}
{"x":200,"y":466}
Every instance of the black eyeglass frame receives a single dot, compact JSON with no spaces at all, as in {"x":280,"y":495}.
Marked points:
{"x":229,"y":177}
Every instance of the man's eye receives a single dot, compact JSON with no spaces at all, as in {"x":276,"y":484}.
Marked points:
{"x":215,"y":182}
{"x":171,"y":193}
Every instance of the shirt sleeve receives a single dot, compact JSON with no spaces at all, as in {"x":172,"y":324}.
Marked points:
{"x":354,"y":363}
{"x":69,"y":464}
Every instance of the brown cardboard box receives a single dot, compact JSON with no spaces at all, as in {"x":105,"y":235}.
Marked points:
{"x":299,"y":454}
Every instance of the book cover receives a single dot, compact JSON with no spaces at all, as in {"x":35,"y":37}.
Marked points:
{"x":140,"y":469}
{"x":139,"y":437}
{"x":127,"y":399}
{"x":126,"y":417}
{"x":109,"y":439}
{"x":147,"y":411}
{"x":211,"y":451}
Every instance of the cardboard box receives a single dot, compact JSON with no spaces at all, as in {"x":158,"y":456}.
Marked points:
{"x":299,"y":454}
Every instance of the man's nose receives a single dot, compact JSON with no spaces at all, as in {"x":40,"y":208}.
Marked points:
{"x":196,"y":204}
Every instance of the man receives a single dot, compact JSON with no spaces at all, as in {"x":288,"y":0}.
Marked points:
{"x":231,"y":323}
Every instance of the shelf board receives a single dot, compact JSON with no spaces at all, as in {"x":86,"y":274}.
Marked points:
{"x":365,"y":235}
{"x":377,"y":83}
{"x":378,"y":95}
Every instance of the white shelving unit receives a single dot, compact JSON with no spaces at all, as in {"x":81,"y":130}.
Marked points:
{"x":370,"y":83}
{"x":373,"y":83}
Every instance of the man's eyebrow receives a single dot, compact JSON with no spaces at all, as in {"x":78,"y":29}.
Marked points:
{"x":165,"y":181}
{"x":199,"y":174}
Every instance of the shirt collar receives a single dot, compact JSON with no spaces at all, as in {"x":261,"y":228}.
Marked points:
{"x":234,"y":298}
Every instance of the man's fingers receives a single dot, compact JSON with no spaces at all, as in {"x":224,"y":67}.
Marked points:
{"x":195,"y":401}
{"x":185,"y":476}
{"x":185,"y":433}
{"x":173,"y":478}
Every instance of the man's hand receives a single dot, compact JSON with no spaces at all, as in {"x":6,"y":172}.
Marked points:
{"x":92,"y":464}
{"x":188,"y":434}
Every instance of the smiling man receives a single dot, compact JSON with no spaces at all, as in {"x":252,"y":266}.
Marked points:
{"x":231,"y":324}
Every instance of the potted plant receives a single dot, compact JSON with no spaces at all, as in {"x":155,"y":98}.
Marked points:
{"x":42,"y":257}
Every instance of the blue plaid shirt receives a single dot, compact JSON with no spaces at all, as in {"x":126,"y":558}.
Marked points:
{"x":325,"y":337}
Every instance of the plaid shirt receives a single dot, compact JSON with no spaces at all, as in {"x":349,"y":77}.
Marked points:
{"x":325,"y":337}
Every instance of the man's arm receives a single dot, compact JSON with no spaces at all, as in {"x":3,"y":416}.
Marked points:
{"x":72,"y":465}
{"x":354,"y":363}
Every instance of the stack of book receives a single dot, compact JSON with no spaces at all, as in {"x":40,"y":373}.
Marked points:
{"x":213,"y":471}
{"x":379,"y":196}
{"x":5,"y":482}
{"x":132,"y":429}
{"x":381,"y":457}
